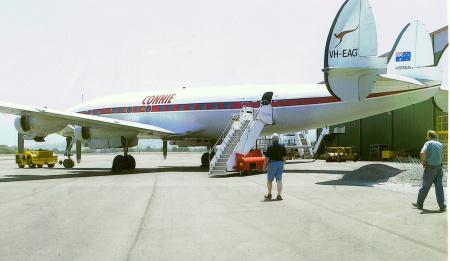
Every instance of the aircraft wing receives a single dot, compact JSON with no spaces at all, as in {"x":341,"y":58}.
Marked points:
{"x":85,"y":120}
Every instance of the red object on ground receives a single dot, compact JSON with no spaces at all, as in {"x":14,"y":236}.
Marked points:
{"x":252,"y":161}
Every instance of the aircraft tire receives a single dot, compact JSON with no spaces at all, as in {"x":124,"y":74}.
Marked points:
{"x":68,"y":163}
{"x":51,"y":165}
{"x":205,"y":159}
{"x":118,"y":164}
{"x":130,"y":162}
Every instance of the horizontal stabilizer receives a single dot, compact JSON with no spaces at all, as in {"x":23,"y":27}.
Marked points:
{"x":351,"y":83}
{"x":402,"y":78}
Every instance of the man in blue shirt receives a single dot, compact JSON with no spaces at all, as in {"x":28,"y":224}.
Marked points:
{"x":431,"y":156}
{"x":274,"y":163}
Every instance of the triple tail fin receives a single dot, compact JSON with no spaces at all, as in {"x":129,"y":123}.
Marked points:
{"x":352,"y":68}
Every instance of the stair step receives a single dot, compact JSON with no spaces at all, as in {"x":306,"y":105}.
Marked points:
{"x":218,"y":173}
{"x":219,"y":170}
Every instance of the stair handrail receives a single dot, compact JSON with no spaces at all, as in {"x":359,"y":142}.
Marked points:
{"x":256,"y":115}
{"x":254,"y":118}
{"x":232,"y":148}
{"x":223,"y":133}
{"x":227,"y":128}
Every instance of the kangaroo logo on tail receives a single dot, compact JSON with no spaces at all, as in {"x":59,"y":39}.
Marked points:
{"x":342,"y":34}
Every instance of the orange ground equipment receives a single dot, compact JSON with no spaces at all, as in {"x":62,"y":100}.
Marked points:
{"x":252,"y":161}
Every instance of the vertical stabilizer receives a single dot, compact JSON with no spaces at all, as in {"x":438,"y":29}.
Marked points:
{"x":443,"y":66}
{"x":350,"y":62}
{"x":352,"y":35}
{"x":412,"y":54}
{"x":441,"y":98}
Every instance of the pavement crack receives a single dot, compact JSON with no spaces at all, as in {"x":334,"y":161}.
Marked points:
{"x":141,"y":223}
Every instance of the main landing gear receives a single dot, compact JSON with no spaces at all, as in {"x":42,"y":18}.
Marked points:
{"x":68,"y":163}
{"x":125,"y":162}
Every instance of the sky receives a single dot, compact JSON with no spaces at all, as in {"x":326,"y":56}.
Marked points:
{"x":54,"y":52}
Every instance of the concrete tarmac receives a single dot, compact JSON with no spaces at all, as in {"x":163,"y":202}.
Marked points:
{"x":170,"y":210}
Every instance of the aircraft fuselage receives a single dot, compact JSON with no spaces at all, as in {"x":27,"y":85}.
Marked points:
{"x":203,"y":113}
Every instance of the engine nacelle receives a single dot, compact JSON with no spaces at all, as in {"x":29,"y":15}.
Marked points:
{"x":116,"y":142}
{"x":38,"y":128}
{"x":82,"y":133}
{"x":86,"y":134}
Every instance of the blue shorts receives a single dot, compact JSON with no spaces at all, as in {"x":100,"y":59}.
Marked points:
{"x":275,"y":169}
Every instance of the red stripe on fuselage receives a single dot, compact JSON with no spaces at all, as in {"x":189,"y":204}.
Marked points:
{"x":230,"y":105}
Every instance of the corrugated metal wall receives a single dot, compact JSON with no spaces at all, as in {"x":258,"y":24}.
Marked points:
{"x":411,"y":125}
{"x":403,"y":130}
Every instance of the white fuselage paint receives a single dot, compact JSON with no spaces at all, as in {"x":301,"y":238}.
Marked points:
{"x":295,"y":108}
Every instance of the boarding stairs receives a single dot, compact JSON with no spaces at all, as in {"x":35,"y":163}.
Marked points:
{"x":307,"y":151}
{"x":299,"y":142}
{"x":242,"y":135}
{"x":326,"y":139}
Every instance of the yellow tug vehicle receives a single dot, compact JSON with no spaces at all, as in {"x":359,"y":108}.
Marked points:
{"x":38,"y":158}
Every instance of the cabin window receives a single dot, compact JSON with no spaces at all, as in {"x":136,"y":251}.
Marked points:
{"x":180,"y":107}
{"x":192,"y":107}
{"x":161,"y":108}
{"x":129,"y":109}
{"x":98,"y":112}
{"x":215,"y":106}
{"x":169,"y":107}
{"x":227,"y":105}
{"x":203,"y":106}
